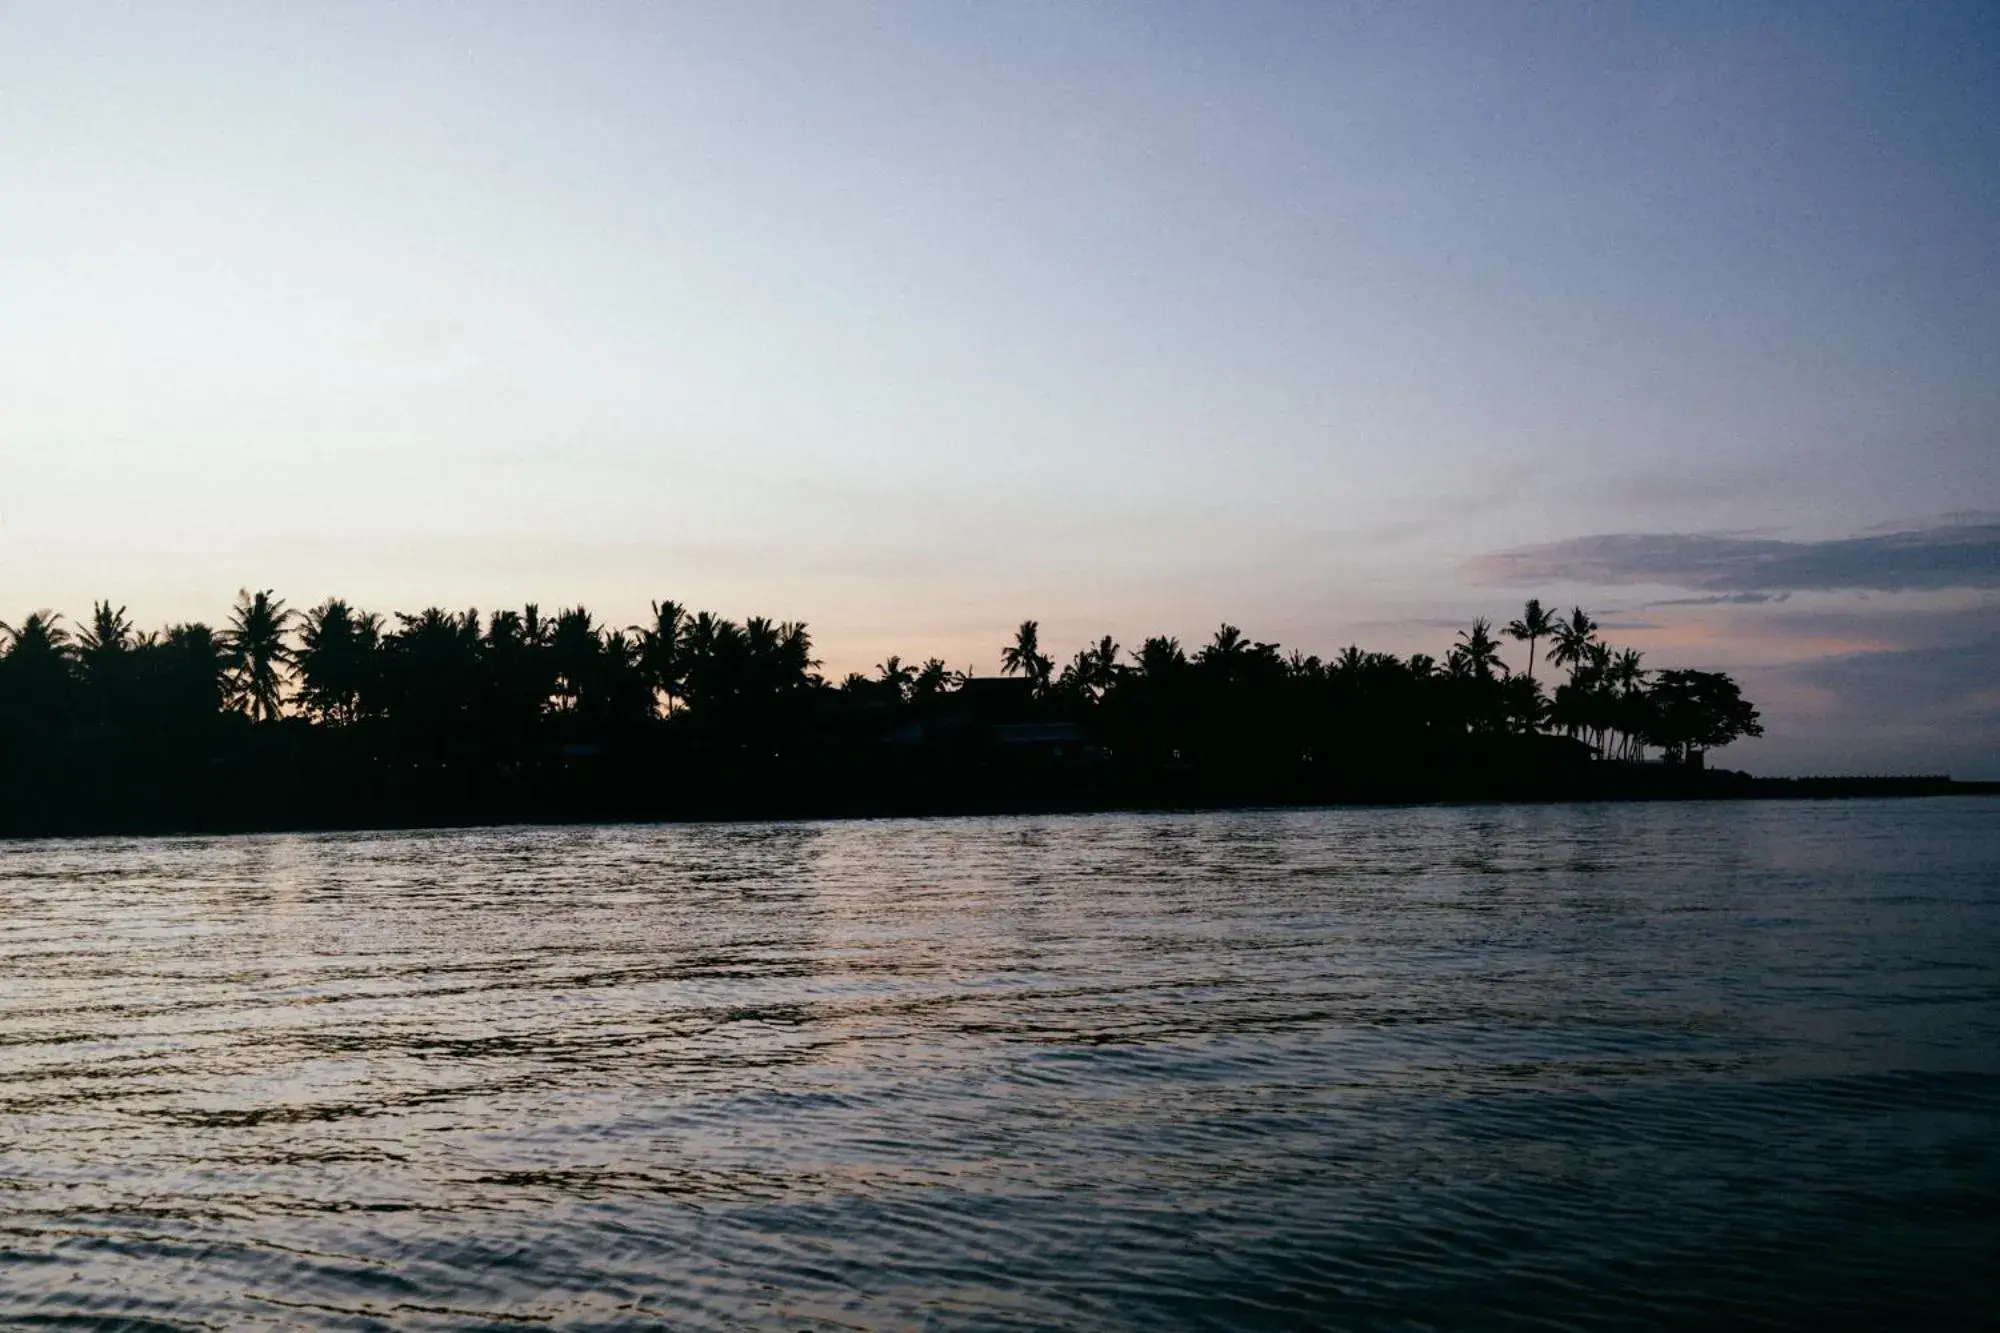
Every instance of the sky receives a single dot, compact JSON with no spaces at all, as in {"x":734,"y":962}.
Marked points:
{"x":1342,"y":323}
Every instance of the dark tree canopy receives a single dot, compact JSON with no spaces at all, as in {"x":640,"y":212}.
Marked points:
{"x":1692,"y":711}
{"x":337,"y":714}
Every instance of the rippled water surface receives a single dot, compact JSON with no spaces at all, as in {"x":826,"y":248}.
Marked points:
{"x":1461,"y":1067}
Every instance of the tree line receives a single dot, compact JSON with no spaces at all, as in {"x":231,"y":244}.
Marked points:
{"x":349,"y":711}
{"x":1609,"y":699}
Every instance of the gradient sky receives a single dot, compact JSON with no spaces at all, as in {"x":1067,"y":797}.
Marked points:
{"x":1341,"y":322}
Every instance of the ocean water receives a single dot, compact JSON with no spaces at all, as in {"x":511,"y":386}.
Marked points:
{"x":1569,"y":1067}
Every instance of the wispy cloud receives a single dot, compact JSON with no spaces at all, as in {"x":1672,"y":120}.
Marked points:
{"x":1721,"y":599}
{"x":1960,"y":553}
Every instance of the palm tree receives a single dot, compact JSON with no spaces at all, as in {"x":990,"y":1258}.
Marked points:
{"x":1523,"y":703}
{"x":1160,"y":657}
{"x":1572,"y":640}
{"x":795,"y":657}
{"x":764,"y":671}
{"x":518,"y":681}
{"x":109,"y":637}
{"x":432,"y":681}
{"x":254,"y":654}
{"x":698,"y":656}
{"x":106,"y":651}
{"x":934,"y":678}
{"x":1625,"y":671}
{"x":336,"y":654}
{"x":662,"y":651}
{"x":1227,"y":645}
{"x":1627,"y":679}
{"x":1102,"y":666}
{"x":38,"y":638}
{"x":715,"y":657}
{"x":897,"y":680}
{"x":1077,"y":676}
{"x":1024,"y":656}
{"x":535,"y":631}
{"x":1535,"y":623}
{"x":1479,"y":651}
{"x":622,"y":693}
{"x":574,"y":646}
{"x":1477,"y":674}
{"x":191,"y":656}
{"x":1597,"y":704}
{"x":38,"y":688}
{"x":1227,"y":657}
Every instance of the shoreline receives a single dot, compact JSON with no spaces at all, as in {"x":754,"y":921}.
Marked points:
{"x":1718,"y":785}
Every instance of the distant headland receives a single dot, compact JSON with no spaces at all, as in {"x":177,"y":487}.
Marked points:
{"x":338,"y":718}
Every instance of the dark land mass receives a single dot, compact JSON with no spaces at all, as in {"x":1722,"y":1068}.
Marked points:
{"x":332,"y":720}
{"x":255,"y":798}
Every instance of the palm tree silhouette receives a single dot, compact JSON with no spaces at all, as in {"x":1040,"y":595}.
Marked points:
{"x":934,"y":678}
{"x":535,"y":631}
{"x":1477,"y":674}
{"x":622,"y":693}
{"x":896,"y":679}
{"x":105,"y":652}
{"x":254,"y":655}
{"x":1479,"y":650}
{"x":1627,"y":680}
{"x":662,"y":651}
{"x":192,"y":658}
{"x":1572,"y":640}
{"x":1535,"y":623}
{"x":1160,"y":657}
{"x":336,"y":650}
{"x":563,"y":711}
{"x":1080,"y":675}
{"x":1227,"y":645}
{"x":38,"y":638}
{"x":1225,"y":658}
{"x":795,"y":657}
{"x":715,"y":653}
{"x":519,"y":680}
{"x":1523,"y":703}
{"x":1024,"y":656}
{"x":109,"y":637}
{"x":574,"y":645}
{"x":764,"y":658}
{"x":1106,"y":670}
{"x":1095,"y":671}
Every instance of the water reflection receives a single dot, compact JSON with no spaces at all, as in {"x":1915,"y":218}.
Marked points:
{"x":1272,"y":1068}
